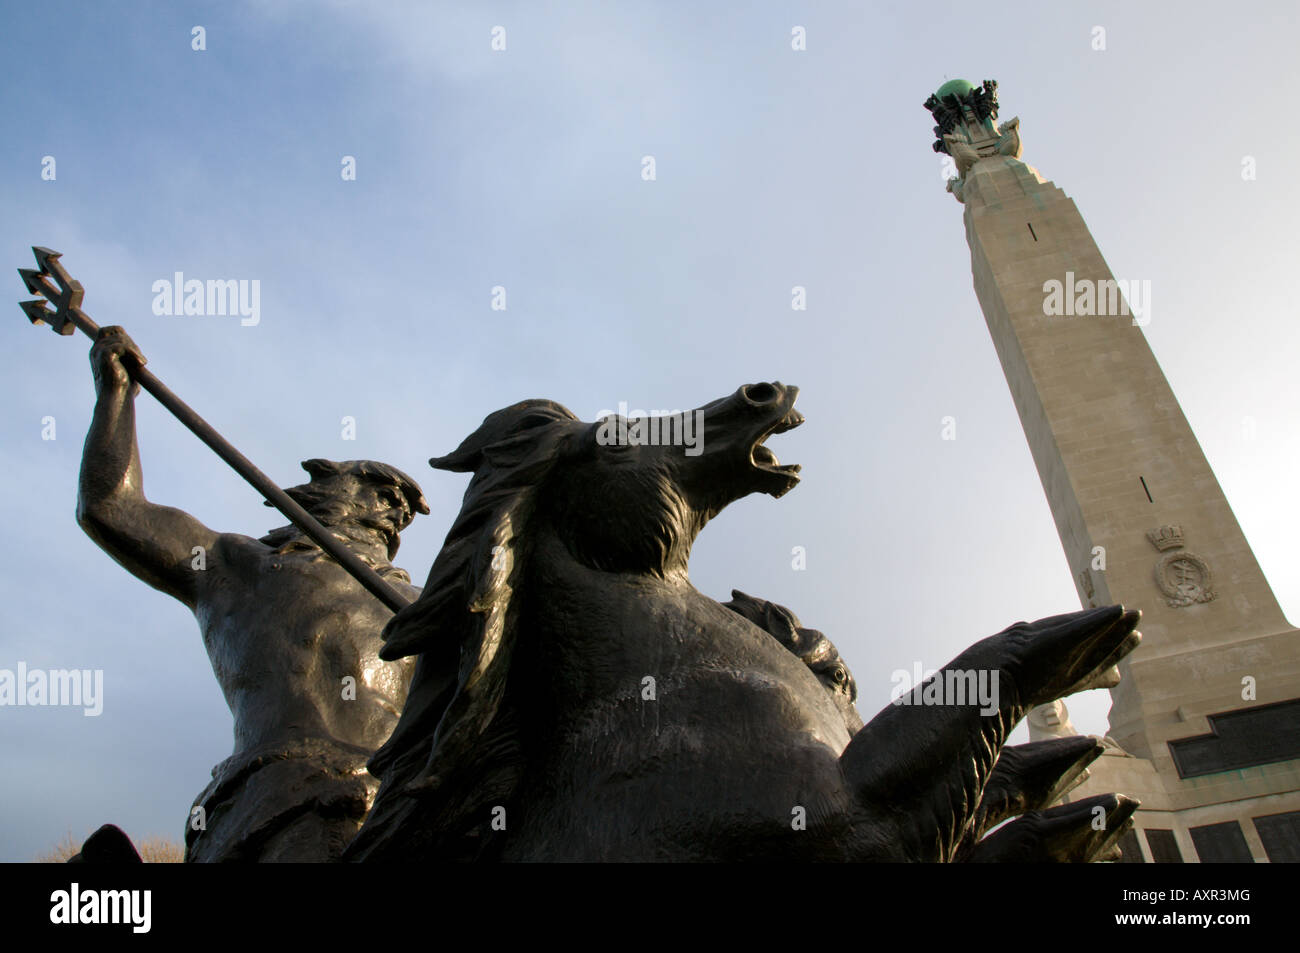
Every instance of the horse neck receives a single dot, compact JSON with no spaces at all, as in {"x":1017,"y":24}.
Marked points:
{"x":593,"y":625}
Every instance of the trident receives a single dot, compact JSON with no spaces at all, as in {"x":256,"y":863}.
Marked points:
{"x":68,"y":317}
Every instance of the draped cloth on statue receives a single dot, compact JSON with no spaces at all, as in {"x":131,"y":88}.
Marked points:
{"x":302,"y":800}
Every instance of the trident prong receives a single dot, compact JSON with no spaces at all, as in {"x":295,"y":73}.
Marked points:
{"x":38,"y":314}
{"x":65,"y":293}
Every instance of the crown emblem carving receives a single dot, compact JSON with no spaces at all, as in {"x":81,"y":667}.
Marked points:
{"x":1166,"y":537}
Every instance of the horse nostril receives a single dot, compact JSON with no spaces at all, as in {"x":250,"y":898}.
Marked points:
{"x":760,"y":393}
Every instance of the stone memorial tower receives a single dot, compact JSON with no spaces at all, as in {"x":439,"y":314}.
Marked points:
{"x":1205,"y":725}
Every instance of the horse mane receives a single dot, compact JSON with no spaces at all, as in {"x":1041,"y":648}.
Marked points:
{"x":454,"y":751}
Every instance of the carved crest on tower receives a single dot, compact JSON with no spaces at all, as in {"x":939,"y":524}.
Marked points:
{"x":1182,"y":576}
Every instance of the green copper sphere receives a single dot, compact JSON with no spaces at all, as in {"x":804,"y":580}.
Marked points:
{"x":954,"y":87}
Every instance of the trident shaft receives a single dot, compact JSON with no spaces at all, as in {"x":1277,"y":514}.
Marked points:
{"x":66,"y":294}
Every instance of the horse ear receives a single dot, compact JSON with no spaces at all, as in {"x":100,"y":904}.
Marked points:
{"x":501,"y":426}
{"x":780,"y":619}
{"x":319,"y":469}
{"x":460,"y":460}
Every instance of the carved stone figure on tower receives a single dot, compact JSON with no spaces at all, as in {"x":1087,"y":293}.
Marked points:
{"x":966,"y":128}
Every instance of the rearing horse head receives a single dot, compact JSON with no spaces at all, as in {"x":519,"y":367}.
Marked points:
{"x":633,"y":496}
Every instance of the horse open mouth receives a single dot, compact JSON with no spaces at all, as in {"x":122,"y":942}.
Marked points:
{"x":783,"y":478}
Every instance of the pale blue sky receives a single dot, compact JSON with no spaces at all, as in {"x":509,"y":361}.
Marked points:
{"x":522,"y":168}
